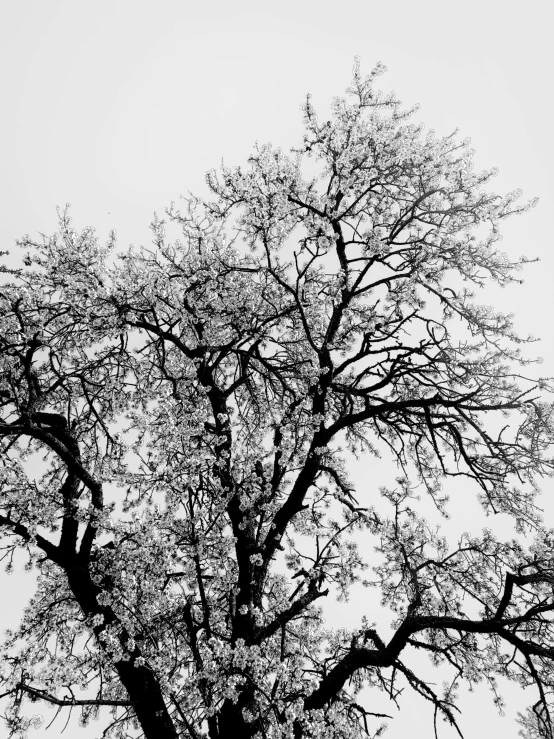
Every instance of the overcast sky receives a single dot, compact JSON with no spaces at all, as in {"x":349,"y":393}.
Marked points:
{"x":120,"y":106}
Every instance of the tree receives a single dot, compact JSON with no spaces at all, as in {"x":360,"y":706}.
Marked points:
{"x":173,"y":424}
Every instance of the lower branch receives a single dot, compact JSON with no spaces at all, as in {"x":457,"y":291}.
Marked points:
{"x":38,"y":694}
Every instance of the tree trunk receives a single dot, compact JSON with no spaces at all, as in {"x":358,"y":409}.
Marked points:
{"x":231,"y":723}
{"x":148,"y":703}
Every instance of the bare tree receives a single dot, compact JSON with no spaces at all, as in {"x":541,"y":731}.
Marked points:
{"x":173,"y":423}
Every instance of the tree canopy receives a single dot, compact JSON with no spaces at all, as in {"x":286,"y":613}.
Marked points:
{"x":176,"y":428}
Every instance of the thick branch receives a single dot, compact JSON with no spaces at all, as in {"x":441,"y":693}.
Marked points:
{"x":285,"y":616}
{"x":72,"y":702}
{"x":361,"y":657}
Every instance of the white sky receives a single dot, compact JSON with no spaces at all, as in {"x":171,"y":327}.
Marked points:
{"x":120,"y":106}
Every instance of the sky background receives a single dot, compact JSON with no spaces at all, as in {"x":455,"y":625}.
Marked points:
{"x":120,"y":107}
